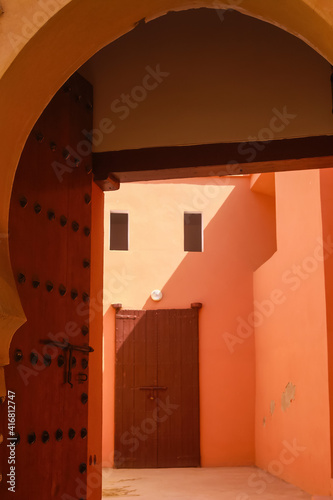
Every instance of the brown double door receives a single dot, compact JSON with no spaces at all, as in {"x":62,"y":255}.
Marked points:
{"x":157,"y":389}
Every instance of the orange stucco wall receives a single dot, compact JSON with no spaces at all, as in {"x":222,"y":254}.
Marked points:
{"x":292,"y":404}
{"x":108,"y":387}
{"x":326,"y":189}
{"x":238,"y":237}
{"x":265,"y":283}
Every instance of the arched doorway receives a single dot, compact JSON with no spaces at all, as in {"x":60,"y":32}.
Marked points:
{"x":42,"y":81}
{"x":45,"y":62}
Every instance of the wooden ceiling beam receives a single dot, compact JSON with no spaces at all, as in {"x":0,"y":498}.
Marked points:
{"x":222,"y":159}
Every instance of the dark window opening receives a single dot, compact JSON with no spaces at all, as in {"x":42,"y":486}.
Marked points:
{"x":192,"y":232}
{"x":118,"y":231}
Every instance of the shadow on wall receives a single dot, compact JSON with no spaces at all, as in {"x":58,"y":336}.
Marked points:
{"x":238,"y":240}
{"x":240,"y":237}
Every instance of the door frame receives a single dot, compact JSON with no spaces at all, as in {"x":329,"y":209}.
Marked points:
{"x":142,"y":315}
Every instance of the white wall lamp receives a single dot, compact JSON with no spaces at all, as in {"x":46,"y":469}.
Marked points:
{"x":156,"y":295}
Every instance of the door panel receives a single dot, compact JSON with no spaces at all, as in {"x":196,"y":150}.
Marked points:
{"x":157,"y":427}
{"x":50,"y":209}
{"x":136,"y":361}
{"x":145,"y":369}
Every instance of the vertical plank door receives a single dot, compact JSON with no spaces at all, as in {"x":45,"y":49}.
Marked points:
{"x":157,"y":389}
{"x":50,"y":245}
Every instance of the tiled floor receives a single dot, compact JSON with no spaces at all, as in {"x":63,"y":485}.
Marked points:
{"x":245,"y":483}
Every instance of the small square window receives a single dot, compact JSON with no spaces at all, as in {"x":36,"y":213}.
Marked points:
{"x":193,"y":232}
{"x":118,"y":231}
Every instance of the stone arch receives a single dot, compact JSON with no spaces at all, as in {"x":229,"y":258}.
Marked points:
{"x":64,"y":35}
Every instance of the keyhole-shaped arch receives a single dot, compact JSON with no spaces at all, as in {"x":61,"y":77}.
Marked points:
{"x":53,"y":39}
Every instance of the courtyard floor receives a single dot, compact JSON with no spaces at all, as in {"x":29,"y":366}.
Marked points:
{"x":243,"y":483}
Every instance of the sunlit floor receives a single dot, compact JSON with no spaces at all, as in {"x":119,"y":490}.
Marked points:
{"x":244,"y":483}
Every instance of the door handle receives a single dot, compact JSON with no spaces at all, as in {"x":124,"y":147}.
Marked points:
{"x":152,"y":390}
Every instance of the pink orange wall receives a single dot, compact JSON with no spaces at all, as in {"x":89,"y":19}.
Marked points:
{"x":292,"y":409}
{"x":108,"y":387}
{"x":239,"y":236}
{"x":326,"y":188}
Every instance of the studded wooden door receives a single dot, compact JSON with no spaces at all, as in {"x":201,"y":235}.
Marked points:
{"x":50,"y":222}
{"x":157,"y":389}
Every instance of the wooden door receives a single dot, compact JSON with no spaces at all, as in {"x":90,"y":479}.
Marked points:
{"x":157,"y":389}
{"x":50,"y":222}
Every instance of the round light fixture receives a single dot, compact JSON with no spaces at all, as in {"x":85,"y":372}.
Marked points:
{"x":156,"y":295}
